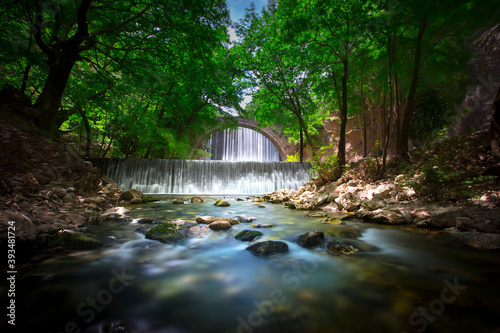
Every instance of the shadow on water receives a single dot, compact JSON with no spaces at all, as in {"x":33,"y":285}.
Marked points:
{"x":401,"y":281}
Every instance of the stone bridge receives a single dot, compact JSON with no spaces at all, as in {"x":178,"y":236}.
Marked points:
{"x":273,"y":133}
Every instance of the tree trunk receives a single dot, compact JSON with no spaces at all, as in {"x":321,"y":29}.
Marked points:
{"x":495,"y":126}
{"x":88,"y":129}
{"x":343,"y":115}
{"x":48,"y":103}
{"x":404,"y":131}
{"x":301,"y":158}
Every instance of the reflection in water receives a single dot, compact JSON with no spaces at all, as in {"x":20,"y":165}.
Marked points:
{"x":213,"y":285}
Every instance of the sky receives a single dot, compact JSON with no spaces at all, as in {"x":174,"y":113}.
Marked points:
{"x":237,"y":12}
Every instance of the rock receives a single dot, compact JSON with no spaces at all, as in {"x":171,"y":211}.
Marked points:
{"x":248,"y":235}
{"x":348,"y":202}
{"x":261,"y":206}
{"x":132,"y":196}
{"x":267,"y":248}
{"x":383,"y":190}
{"x":258,"y":199}
{"x":60,"y":192}
{"x":197,"y":200}
{"x":25,"y":229}
{"x":115,"y":214}
{"x":210,"y":219}
{"x":178,"y":202}
{"x":383,"y":216}
{"x":343,"y":231}
{"x":222,"y":203}
{"x":147,"y":220}
{"x":311,"y":238}
{"x":317,"y":214}
{"x":477,"y":240}
{"x":73,"y":240}
{"x":332,"y":220}
{"x":399,"y":178}
{"x":446,"y":217}
{"x":220,"y":225}
{"x":240,"y":199}
{"x":465,"y":223}
{"x":243,"y":219}
{"x":372,"y":205}
{"x":338,"y":247}
{"x":170,"y":232}
{"x":258,"y":225}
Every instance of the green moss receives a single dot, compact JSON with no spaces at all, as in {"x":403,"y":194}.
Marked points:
{"x":147,"y":199}
{"x":166,"y":232}
{"x":73,"y":240}
{"x":248,"y":235}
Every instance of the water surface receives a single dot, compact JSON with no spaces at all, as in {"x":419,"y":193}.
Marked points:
{"x":214,"y":285}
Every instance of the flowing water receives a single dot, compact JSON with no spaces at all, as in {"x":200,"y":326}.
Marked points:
{"x":203,"y":177}
{"x":404,"y":281}
{"x":242,"y":144}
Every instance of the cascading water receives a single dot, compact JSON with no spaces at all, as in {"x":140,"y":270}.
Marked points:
{"x":243,"y":162}
{"x":242,"y":144}
{"x":203,"y":177}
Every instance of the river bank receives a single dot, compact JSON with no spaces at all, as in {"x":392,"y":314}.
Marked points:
{"x":463,"y":207}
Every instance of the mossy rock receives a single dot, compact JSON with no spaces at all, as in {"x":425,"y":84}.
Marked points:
{"x":338,"y":247}
{"x":248,"y":235}
{"x":73,"y":240}
{"x":222,"y":203}
{"x":167,"y":233}
{"x":258,"y":199}
{"x":333,"y":220}
{"x":146,"y":199}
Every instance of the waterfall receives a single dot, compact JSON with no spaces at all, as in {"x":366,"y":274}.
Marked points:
{"x":242,"y":144}
{"x":203,"y":177}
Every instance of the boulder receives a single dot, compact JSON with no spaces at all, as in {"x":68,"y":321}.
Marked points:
{"x":265,"y":225}
{"x":220,"y":225}
{"x":147,"y":220}
{"x":258,"y":199}
{"x":248,"y":235}
{"x":477,"y":240}
{"x":197,"y":200}
{"x":337,"y":247}
{"x":170,"y":232}
{"x":317,"y":214}
{"x":333,"y":220}
{"x":243,"y":219}
{"x":132,"y":196}
{"x":25,"y":230}
{"x":446,"y":217}
{"x":178,"y":202}
{"x":372,"y":205}
{"x":73,"y":240}
{"x":382,"y":216}
{"x":311,"y":238}
{"x":267,"y":248}
{"x":222,"y":203}
{"x":348,"y":202}
{"x":210,"y":219}
{"x":383,"y":190}
{"x":343,"y":231}
{"x":115,"y":214}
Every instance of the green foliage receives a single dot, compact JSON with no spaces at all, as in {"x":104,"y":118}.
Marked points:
{"x":430,"y":116}
{"x":325,"y":163}
{"x":293,"y":158}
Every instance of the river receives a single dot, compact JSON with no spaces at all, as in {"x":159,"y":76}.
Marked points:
{"x":405,"y":281}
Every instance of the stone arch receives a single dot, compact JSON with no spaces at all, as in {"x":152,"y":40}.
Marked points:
{"x":278,"y":139}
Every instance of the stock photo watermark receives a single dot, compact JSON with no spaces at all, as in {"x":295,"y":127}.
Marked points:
{"x":96,"y":303}
{"x":420,"y":319}
{"x":293,"y":279}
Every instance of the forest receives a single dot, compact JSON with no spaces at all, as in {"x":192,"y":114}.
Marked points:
{"x":142,"y":78}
